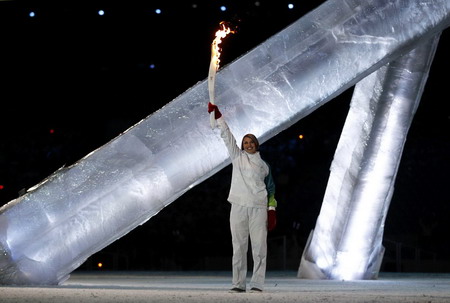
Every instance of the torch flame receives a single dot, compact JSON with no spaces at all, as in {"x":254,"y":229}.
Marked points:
{"x":214,"y":64}
{"x":215,"y":49}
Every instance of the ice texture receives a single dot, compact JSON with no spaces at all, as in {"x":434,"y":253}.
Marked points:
{"x":53,"y":228}
{"x":346,"y":243}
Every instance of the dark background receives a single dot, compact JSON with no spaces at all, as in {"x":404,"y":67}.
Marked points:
{"x":73,"y":80}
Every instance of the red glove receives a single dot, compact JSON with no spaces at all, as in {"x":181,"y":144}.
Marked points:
{"x":215,"y":109}
{"x":271,"y":219}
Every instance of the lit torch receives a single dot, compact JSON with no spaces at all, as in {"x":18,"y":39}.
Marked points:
{"x":214,"y":65}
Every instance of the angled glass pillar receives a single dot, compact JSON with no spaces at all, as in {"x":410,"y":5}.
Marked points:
{"x":346,"y":243}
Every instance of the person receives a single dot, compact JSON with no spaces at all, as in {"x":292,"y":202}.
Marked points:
{"x":253,"y":205}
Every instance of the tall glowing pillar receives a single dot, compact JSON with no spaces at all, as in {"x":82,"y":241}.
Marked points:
{"x":346,"y":243}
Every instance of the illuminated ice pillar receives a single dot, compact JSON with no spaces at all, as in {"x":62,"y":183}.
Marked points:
{"x":346,"y":243}
{"x":79,"y":210}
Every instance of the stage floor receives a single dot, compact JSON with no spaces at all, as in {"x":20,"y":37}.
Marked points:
{"x":212,"y":287}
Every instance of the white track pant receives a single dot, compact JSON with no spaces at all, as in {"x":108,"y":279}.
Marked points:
{"x":245,"y":222}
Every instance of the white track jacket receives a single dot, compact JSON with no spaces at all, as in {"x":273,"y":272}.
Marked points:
{"x":249,"y":171}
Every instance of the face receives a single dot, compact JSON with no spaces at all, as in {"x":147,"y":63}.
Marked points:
{"x":249,"y":145}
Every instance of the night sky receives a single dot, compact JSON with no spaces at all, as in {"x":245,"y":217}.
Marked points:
{"x":73,"y":80}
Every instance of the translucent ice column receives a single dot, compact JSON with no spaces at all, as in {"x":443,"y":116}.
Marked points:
{"x":77,"y":211}
{"x":346,"y":243}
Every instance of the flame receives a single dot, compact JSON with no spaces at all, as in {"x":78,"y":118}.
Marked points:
{"x":215,"y":49}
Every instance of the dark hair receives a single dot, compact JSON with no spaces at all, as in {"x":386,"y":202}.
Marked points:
{"x":253,"y":138}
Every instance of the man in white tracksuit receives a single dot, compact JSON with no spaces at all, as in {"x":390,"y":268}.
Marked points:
{"x":252,"y":198}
